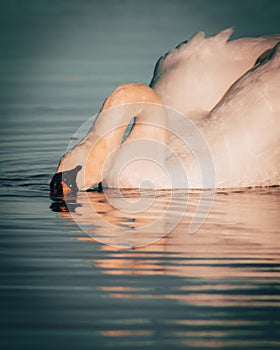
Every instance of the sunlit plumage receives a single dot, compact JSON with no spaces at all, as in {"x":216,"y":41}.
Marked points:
{"x":228,"y":89}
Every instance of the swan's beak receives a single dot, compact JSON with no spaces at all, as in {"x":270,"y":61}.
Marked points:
{"x":65,"y":182}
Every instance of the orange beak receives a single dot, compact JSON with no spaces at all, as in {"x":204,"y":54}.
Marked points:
{"x":65,"y":187}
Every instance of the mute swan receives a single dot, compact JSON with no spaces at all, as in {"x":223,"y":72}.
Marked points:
{"x":194,"y":76}
{"x":233,"y":103}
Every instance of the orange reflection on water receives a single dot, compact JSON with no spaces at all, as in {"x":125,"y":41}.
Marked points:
{"x":124,"y":333}
{"x":222,"y":299}
{"x":239,"y":241}
{"x":225,"y":343}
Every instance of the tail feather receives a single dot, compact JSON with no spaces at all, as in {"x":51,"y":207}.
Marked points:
{"x":223,"y":36}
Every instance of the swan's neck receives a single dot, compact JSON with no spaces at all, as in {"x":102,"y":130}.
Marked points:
{"x":128,"y":101}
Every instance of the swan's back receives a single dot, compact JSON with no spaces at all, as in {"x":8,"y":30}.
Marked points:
{"x":244,"y":127}
{"x":195,"y":75}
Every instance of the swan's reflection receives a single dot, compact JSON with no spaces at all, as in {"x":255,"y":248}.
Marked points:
{"x":234,"y":252}
{"x":217,"y":286}
{"x":127,"y":218}
{"x":239,"y":237}
{"x":231,"y":261}
{"x":242,"y":225}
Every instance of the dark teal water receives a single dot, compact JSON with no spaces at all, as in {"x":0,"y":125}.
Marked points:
{"x":217,"y":288}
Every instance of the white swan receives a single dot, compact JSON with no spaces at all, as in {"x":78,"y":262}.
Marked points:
{"x":241,"y":128}
{"x":194,"y":76}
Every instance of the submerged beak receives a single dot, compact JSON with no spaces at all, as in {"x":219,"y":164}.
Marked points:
{"x":65,"y":182}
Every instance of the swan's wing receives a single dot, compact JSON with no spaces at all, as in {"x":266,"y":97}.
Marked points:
{"x":246,"y":124}
{"x":195,"y":75}
{"x":166,"y":61}
{"x":172,"y":57}
{"x":259,"y":85}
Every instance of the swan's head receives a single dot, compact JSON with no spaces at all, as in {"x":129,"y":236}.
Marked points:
{"x":128,"y":101}
{"x":64,"y":182}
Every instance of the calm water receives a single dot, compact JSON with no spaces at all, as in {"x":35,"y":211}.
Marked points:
{"x":216,"y":288}
{"x":60,"y":286}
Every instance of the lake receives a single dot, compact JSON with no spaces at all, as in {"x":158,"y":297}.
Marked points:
{"x":100,"y":276}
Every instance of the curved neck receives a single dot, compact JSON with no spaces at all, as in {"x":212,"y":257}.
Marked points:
{"x":128,"y":101}
{"x":132,"y":100}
